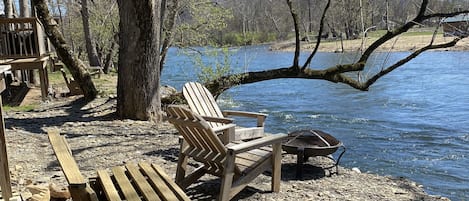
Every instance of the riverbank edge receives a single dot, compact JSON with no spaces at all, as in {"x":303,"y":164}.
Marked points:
{"x":403,"y":43}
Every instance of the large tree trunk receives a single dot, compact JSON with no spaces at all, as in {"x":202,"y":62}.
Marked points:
{"x":8,"y":9}
{"x":138,"y":73}
{"x":74,"y":65}
{"x":90,"y":47}
{"x":25,"y":10}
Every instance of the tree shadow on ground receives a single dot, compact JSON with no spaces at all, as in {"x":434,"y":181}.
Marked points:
{"x":170,"y":154}
{"x":209,"y":190}
{"x":74,"y":111}
{"x":310,"y":172}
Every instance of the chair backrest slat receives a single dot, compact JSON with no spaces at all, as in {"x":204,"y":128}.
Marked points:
{"x":203,"y":143}
{"x":201,"y":101}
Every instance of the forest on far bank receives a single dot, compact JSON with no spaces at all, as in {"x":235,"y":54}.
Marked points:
{"x":134,"y":37}
{"x":235,"y":23}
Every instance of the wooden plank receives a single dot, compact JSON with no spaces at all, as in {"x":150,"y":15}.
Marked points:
{"x":5,"y":182}
{"x":17,"y":20}
{"x":3,"y":69}
{"x":108,"y":186}
{"x":276,"y":167}
{"x":158,"y":183}
{"x":141,"y":183}
{"x":200,"y":102}
{"x":126,"y":187}
{"x":171,"y":184}
{"x":66,"y":161}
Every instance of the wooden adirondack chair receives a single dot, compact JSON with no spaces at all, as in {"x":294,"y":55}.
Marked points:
{"x":237,"y":163}
{"x":131,"y":182}
{"x":202,"y":102}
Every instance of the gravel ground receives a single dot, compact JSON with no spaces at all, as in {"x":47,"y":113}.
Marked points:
{"x":98,"y":140}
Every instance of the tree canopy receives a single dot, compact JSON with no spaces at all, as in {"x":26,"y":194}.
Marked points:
{"x":186,"y":23}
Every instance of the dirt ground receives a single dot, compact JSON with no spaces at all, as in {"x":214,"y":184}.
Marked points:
{"x":99,"y":140}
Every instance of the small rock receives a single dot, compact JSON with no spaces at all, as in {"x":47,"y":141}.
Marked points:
{"x":39,"y":192}
{"x":59,"y":192}
{"x":355,"y":169}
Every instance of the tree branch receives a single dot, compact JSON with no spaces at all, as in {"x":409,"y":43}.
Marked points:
{"x":321,"y":27}
{"x":401,"y":62}
{"x":297,"y":34}
{"x":168,"y":30}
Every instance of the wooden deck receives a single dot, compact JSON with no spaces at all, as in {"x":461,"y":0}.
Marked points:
{"x":39,"y":64}
{"x":24,"y":47}
{"x":22,"y":38}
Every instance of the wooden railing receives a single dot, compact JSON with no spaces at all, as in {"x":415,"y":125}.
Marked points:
{"x":21,"y":38}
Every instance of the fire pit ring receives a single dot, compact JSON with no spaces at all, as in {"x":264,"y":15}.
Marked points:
{"x":307,"y":143}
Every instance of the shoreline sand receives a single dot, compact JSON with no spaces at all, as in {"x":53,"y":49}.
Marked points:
{"x":401,"y":43}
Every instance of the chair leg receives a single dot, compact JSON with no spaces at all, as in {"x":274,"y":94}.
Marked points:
{"x":276,"y":166}
{"x":227,"y":179}
{"x":182,"y":164}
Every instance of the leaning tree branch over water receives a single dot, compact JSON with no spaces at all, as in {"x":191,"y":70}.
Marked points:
{"x":339,"y":73}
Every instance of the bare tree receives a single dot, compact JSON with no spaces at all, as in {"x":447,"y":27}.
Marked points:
{"x":74,"y":65}
{"x":90,"y":45}
{"x":8,"y":8}
{"x":341,"y":73}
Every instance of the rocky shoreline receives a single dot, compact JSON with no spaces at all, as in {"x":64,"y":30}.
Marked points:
{"x":98,"y":140}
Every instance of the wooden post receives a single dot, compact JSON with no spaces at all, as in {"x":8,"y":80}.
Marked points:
{"x":5,"y":183}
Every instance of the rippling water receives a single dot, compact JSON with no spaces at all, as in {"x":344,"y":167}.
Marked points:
{"x":412,"y":123}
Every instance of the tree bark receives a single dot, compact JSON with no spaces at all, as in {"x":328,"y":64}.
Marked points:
{"x":74,"y":65}
{"x":90,"y":46}
{"x":25,"y":10}
{"x":138,"y":80}
{"x":8,"y":8}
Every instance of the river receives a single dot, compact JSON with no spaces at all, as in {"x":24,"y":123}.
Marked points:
{"x":413,"y":123}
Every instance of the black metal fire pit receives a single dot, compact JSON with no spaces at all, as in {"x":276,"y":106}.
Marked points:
{"x":307,"y":143}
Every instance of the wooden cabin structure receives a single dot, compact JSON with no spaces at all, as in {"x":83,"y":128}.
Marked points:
{"x":456,"y":26}
{"x":23,"y":46}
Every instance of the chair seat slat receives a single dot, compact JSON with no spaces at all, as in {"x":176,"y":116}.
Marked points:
{"x":126,"y":187}
{"x":108,"y":186}
{"x":141,"y":182}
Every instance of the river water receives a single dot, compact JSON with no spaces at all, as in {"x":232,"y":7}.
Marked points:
{"x":413,"y":123}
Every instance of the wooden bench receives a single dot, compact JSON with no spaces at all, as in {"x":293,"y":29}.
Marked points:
{"x":96,"y":70}
{"x":72,"y":85}
{"x":142,"y":181}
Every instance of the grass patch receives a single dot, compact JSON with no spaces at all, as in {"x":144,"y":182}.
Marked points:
{"x":24,"y":108}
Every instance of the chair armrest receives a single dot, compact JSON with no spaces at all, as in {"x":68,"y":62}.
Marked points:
{"x":227,"y":132}
{"x":69,"y":166}
{"x":218,"y":119}
{"x":254,"y":144}
{"x":224,"y":127}
{"x":243,"y":113}
{"x":260,"y":116}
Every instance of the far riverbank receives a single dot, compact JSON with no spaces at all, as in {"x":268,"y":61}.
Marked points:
{"x":399,"y":44}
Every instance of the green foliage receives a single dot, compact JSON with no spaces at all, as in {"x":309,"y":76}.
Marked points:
{"x":250,"y":38}
{"x":24,"y":108}
{"x":104,"y":25}
{"x":213,"y":63}
{"x":199,"y":21}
